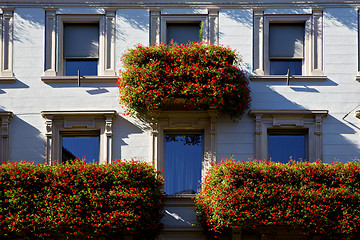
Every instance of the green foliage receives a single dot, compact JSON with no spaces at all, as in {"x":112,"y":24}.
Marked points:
{"x":315,"y":198}
{"x":205,"y":75}
{"x":80,"y":201}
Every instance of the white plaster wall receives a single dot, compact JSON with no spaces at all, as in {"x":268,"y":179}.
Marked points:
{"x":29,"y":95}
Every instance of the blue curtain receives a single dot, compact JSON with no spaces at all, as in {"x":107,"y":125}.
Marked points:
{"x":282,"y":147}
{"x":183,"y":162}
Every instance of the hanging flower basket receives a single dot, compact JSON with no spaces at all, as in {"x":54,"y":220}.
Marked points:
{"x":203,"y":76}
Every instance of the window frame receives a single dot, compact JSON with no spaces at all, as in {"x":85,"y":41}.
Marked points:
{"x":289,"y":120}
{"x":158,"y":24}
{"x":60,"y":122}
{"x":313,"y":49}
{"x":162,"y":122}
{"x":6,"y":46}
{"x":54,"y":50}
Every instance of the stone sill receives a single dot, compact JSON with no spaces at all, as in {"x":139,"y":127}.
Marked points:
{"x":83,"y":79}
{"x":7,"y":80}
{"x":295,"y":78}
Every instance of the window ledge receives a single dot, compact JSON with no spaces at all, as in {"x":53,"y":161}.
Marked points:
{"x":7,"y":80}
{"x":83,"y":79}
{"x":292,"y":78}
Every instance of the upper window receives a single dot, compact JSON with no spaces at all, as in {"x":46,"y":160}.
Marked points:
{"x":288,"y":44}
{"x":183,"y":32}
{"x":81,"y":48}
{"x":286,"y":48}
{"x":82,"y":44}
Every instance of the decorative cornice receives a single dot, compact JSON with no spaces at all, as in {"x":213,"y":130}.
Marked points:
{"x":304,"y":112}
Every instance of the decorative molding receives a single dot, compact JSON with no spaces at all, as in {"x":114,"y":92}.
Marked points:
{"x":50,"y":42}
{"x":214,"y":25}
{"x":5,"y":118}
{"x":6,"y":39}
{"x":155,"y":15}
{"x":294,"y":78}
{"x":83,"y":79}
{"x":317,"y":43}
{"x":310,"y":120}
{"x":109,"y":42}
{"x":63,"y":121}
{"x":258,"y":28}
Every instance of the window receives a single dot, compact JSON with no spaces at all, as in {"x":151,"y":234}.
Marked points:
{"x":183,"y":32}
{"x":183,"y":28}
{"x":286,"y":144}
{"x":79,"y":42}
{"x":280,"y":134}
{"x":286,"y":48}
{"x":83,"y":145}
{"x":5,"y":118}
{"x":183,"y":162}
{"x":183,"y":146}
{"x":81,"y":48}
{"x":79,"y":134}
{"x":288,"y":42}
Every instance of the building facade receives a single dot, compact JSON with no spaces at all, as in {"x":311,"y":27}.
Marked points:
{"x":58,"y":92}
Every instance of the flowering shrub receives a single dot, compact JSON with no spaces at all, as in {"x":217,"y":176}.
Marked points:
{"x":206,"y":76}
{"x":315,"y":198}
{"x":80,"y":201}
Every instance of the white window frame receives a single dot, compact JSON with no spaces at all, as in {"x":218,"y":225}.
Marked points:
{"x":312,"y":67}
{"x":292,"y":120}
{"x":60,"y":122}
{"x":54,"y":58}
{"x":6,"y":47}
{"x":210,"y":28}
{"x":5,"y":118}
{"x":183,"y":121}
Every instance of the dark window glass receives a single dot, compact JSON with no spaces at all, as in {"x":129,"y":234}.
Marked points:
{"x":183,"y":32}
{"x":280,"y":67}
{"x":87,"y":67}
{"x":282,"y":147}
{"x":83,"y":147}
{"x":183,"y":163}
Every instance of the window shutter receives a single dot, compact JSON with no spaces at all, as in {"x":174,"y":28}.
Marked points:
{"x":182,"y":32}
{"x":286,"y":40}
{"x":81,"y":40}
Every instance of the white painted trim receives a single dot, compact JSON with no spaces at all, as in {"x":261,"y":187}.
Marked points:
{"x":54,"y":30}
{"x":7,"y":37}
{"x":313,"y":52}
{"x":58,"y":121}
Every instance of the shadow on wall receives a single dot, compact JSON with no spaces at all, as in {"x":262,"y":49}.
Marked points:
{"x":344,"y":17}
{"x":16,"y":84}
{"x":25,"y":140}
{"x":25,"y":23}
{"x":134,"y":19}
{"x":122,"y":139}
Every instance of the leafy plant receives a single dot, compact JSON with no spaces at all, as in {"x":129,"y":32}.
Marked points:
{"x":80,"y":201}
{"x":206,"y":76}
{"x":315,"y":198}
